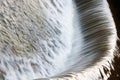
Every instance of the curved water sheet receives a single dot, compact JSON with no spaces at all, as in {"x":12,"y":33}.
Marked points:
{"x":56,"y":39}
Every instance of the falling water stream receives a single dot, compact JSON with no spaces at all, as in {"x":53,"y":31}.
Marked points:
{"x":51,"y":38}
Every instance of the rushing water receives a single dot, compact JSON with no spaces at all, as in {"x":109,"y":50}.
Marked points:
{"x":50,"y":38}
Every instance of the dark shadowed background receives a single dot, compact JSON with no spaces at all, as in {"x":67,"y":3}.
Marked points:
{"x":115,"y":8}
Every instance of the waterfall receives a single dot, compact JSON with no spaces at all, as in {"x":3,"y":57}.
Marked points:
{"x":56,"y":39}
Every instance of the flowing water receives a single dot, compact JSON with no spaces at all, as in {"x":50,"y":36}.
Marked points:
{"x":50,"y":38}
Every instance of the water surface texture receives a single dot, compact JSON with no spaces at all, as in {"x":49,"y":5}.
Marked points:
{"x":56,"y":39}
